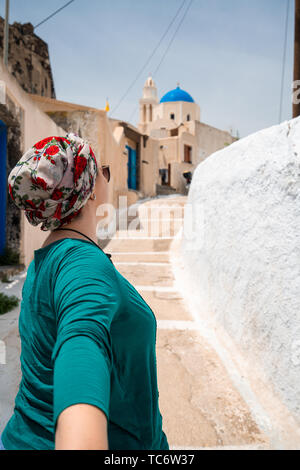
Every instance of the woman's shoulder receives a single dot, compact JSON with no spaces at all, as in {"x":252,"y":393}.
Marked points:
{"x":67,"y":244}
{"x":82,"y":262}
{"x":72,"y":253}
{"x":83,"y":249}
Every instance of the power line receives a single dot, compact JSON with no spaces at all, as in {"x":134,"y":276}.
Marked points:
{"x":283,"y":59}
{"x":172,"y":39}
{"x":148,"y":60}
{"x":168,"y":47}
{"x":57,"y":11}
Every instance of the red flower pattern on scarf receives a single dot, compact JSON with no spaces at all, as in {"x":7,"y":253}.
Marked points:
{"x":57,"y":213}
{"x":70,"y":217}
{"x":52,"y":150}
{"x":41,"y":144}
{"x":10,"y":191}
{"x":73,"y":200}
{"x":93,"y":156}
{"x":41,"y":182}
{"x":42,"y":206}
{"x":79,"y":166}
{"x":57,"y":194}
{"x":31,"y":203}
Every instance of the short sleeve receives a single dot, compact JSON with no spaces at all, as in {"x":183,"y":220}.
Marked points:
{"x":86,"y":299}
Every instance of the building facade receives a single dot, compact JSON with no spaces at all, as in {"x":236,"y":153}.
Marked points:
{"x":184,"y":141}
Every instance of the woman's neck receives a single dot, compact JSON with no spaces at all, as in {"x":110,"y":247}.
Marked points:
{"x":59,"y":234}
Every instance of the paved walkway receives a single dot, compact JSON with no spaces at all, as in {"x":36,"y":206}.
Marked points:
{"x":10,"y":350}
{"x":200,"y":405}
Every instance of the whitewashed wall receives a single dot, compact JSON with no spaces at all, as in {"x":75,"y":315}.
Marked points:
{"x":244,"y":262}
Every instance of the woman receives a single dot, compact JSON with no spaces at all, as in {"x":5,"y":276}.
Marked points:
{"x":88,"y":360}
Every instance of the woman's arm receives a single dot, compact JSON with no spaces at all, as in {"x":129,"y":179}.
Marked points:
{"x":81,"y":427}
{"x":86,"y":297}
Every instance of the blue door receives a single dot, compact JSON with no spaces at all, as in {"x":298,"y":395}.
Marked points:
{"x":3,"y":186}
{"x":131,"y":166}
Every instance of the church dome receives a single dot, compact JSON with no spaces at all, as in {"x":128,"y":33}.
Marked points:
{"x":177,"y":95}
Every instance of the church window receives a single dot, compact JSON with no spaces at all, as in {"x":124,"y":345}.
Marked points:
{"x":187,"y":154}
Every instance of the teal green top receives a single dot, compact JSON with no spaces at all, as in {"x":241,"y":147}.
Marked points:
{"x":87,"y":336}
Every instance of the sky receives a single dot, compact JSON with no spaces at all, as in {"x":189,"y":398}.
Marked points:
{"x":228,"y":54}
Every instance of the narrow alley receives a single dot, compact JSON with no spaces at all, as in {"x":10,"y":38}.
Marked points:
{"x":200,"y":405}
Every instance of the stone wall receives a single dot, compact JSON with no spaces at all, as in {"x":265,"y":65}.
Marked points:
{"x":13,"y":117}
{"x":28,"y":59}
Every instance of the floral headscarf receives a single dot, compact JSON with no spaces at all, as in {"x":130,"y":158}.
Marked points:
{"x":53,"y":180}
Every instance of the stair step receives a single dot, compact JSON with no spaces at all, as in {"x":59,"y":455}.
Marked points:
{"x":165,"y":189}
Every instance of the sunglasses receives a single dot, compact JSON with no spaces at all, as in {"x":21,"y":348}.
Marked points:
{"x":106,"y":172}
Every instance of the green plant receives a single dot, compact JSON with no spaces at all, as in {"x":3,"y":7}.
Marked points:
{"x":9,"y":257}
{"x":7,"y":303}
{"x":5,"y":278}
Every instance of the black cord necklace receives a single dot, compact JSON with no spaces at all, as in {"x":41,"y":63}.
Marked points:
{"x":73,"y":230}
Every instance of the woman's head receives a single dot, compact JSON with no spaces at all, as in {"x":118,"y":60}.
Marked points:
{"x":54,"y":180}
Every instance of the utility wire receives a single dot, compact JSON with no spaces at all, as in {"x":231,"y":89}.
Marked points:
{"x":173,"y":37}
{"x":148,"y":60}
{"x":168,"y":47}
{"x":283,"y":59}
{"x":57,"y":11}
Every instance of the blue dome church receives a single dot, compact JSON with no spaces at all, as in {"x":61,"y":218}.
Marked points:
{"x":177,"y":95}
{"x":183,"y":140}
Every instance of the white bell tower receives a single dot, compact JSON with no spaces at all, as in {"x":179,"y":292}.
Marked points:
{"x":147,"y":103}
